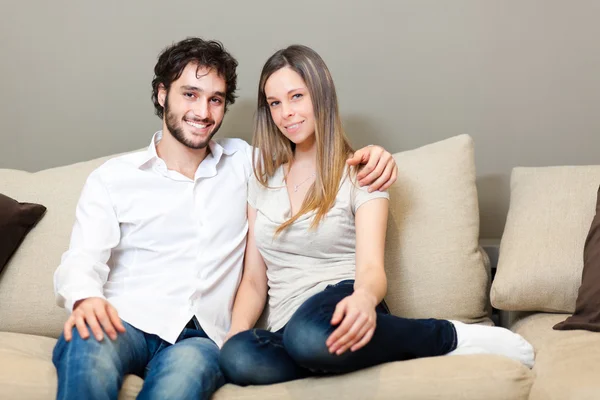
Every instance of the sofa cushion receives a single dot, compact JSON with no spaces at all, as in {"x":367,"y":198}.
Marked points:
{"x":541,"y":252}
{"x":27,"y":372}
{"x":433,"y":263}
{"x":16,"y":220}
{"x":566,"y":365}
{"x":587,"y":306}
{"x":26,"y":292}
{"x":454,"y":377}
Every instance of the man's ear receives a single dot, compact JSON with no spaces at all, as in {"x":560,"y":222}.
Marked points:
{"x":162,"y":94}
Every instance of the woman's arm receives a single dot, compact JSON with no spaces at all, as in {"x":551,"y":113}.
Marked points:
{"x":356,"y":314}
{"x":252,"y":293}
{"x":371,"y":226}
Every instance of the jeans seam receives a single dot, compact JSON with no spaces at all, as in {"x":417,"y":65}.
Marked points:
{"x":262,"y":340}
{"x":454,"y":338}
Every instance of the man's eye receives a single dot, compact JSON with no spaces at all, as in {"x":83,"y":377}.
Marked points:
{"x":189,"y":95}
{"x":217,"y":100}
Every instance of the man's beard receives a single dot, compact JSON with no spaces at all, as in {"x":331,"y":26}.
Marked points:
{"x":174,"y":127}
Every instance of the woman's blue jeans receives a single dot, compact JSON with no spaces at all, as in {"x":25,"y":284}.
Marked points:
{"x":259,"y":357}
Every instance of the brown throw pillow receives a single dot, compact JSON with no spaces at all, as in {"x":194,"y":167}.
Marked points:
{"x":16,"y":220}
{"x":587,"y":306}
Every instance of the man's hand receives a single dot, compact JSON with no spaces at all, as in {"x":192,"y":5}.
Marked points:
{"x":358,"y":321}
{"x":379,"y":168}
{"x":97,"y":313}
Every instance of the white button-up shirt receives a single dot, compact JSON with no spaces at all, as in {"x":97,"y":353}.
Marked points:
{"x":161,"y":247}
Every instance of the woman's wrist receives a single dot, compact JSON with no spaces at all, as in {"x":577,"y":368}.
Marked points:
{"x":367,"y":295}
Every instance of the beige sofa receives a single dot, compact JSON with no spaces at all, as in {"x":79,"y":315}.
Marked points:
{"x":435,"y":269}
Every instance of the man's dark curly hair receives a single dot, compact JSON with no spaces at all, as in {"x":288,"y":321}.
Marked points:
{"x":206,"y":53}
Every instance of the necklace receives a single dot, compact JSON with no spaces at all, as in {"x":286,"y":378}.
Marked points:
{"x":296,"y":186}
{"x":304,"y":181}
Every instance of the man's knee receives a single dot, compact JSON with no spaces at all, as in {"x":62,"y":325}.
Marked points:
{"x":90,"y":353}
{"x":199,"y":354}
{"x":190,"y":368}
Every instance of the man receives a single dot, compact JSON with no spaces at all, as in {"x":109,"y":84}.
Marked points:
{"x":157,"y":247}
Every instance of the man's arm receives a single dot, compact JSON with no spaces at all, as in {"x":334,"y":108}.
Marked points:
{"x":379,"y":169}
{"x":83,"y":271}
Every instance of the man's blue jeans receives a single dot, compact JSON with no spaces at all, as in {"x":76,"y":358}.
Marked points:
{"x":89,"y":369}
{"x":259,"y":357}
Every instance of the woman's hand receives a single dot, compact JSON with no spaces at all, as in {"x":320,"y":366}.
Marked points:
{"x":357,"y":320}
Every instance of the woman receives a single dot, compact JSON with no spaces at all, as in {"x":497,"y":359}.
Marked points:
{"x":316,"y":240}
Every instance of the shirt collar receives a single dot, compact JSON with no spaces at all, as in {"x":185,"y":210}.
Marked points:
{"x":213,"y":158}
{"x":150,"y":154}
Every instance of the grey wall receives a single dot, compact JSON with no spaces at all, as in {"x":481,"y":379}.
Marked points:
{"x":521,"y":77}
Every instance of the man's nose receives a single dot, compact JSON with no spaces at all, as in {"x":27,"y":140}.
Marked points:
{"x":201,"y":110}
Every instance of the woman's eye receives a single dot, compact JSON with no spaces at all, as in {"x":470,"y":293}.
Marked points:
{"x":274,"y":103}
{"x":297,"y":96}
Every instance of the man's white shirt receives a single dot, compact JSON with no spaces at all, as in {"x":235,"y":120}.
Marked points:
{"x":161,"y":247}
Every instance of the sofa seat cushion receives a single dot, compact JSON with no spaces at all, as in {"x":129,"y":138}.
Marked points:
{"x":27,"y":372}
{"x":567,"y":362}
{"x":455,"y":377}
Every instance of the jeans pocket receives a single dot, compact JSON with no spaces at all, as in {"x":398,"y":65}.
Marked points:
{"x":340,"y":283}
{"x":383,"y":308}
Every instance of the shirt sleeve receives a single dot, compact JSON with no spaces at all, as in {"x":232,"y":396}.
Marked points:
{"x":83,"y":270}
{"x":360,"y":195}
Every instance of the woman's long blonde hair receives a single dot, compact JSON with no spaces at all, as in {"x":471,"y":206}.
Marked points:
{"x":333,"y":147}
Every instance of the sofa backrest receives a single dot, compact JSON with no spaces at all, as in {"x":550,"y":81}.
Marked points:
{"x":541,"y":253}
{"x":26,"y":285}
{"x":432,"y":259}
{"x":433,"y":263}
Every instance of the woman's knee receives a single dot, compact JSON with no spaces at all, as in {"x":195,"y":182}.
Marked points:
{"x":237,"y":359}
{"x":305,"y":341}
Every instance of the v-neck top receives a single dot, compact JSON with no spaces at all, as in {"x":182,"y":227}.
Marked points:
{"x":301,"y":261}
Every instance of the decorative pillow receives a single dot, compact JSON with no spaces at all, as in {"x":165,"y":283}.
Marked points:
{"x":433,"y":263}
{"x":587,"y":306}
{"x":540,"y":262}
{"x":16,"y":220}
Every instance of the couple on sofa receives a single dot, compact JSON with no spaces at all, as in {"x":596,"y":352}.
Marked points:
{"x":170,"y":261}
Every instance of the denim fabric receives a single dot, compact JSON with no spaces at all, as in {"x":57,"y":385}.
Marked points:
{"x":258,"y":357}
{"x":89,"y":369}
